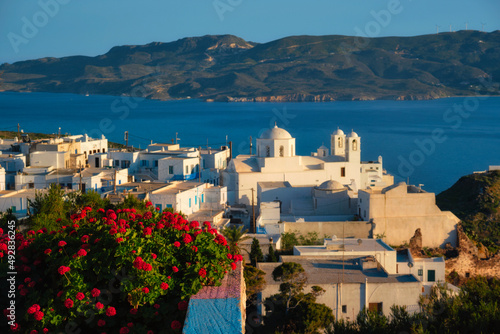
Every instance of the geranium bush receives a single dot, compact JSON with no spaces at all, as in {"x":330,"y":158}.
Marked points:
{"x":116,"y":272}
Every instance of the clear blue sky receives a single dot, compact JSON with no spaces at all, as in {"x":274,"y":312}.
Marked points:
{"x":92,"y":27}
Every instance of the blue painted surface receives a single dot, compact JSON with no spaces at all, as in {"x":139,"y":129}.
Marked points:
{"x":214,"y":316}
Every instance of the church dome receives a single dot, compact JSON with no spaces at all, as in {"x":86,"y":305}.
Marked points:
{"x":331,"y":185}
{"x":338,"y":132}
{"x":353,"y":134}
{"x":275,"y":133}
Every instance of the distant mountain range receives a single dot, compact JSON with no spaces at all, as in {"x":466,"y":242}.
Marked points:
{"x":297,"y":68}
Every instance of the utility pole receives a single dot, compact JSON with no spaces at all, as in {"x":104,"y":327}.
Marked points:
{"x":199,"y":164}
{"x":230,"y":150}
{"x":81,"y":187}
{"x":114,"y":182}
{"x":18,"y":129}
{"x":126,"y":139}
{"x":254,"y":228}
{"x":251,"y":145}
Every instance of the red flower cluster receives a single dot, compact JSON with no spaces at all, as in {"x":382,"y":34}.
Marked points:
{"x":68,"y":303}
{"x":33,"y":309}
{"x":95,"y":292}
{"x":176,"y":325}
{"x":202,"y":272}
{"x":141,"y":265}
{"x":63,"y":269}
{"x":164,"y":286}
{"x":183,"y":305}
{"x":187,"y":238}
{"x":147,"y":231}
{"x":80,"y":296}
{"x":81,"y":252}
{"x":221,"y":240}
{"x":111,"y":311}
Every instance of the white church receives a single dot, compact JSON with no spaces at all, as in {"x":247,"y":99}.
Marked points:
{"x":277,"y":166}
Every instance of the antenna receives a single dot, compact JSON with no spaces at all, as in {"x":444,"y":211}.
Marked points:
{"x":482,"y":26}
{"x":176,"y":138}
{"x":437,"y":29}
{"x":450,"y":27}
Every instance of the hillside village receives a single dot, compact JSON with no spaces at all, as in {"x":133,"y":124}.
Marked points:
{"x":360,"y":215}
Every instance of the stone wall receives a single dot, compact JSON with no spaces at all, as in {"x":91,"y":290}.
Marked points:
{"x":349,"y":229}
{"x":469,"y":262}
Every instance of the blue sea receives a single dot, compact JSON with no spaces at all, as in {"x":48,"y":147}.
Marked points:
{"x":432,"y":143}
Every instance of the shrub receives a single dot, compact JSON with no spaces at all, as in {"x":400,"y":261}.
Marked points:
{"x":111,"y":270}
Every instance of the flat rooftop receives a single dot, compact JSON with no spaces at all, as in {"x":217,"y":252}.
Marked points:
{"x":178,"y":186}
{"x":349,"y":245}
{"x":275,"y":184}
{"x":140,"y":186}
{"x":322,"y":270}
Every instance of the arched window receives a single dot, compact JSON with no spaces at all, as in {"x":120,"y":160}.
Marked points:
{"x":354,"y":145}
{"x":324,"y":153}
{"x":339,"y":140}
{"x":268,"y":151}
{"x":282,"y":151}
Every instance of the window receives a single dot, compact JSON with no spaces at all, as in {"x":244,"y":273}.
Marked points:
{"x":169,"y":206}
{"x":187,"y":169}
{"x":144,"y":163}
{"x":420,"y":272}
{"x":375,"y":307}
{"x":31,"y":185}
{"x":117,"y":163}
{"x":344,"y":308}
{"x":196,"y":200}
{"x":103,"y":150}
{"x":342,"y":171}
{"x":125,"y":163}
{"x":354,"y":145}
{"x":339,"y":142}
{"x":158,"y":207}
{"x":282,"y":151}
{"x":14,"y":209}
{"x":268,"y":151}
{"x":171,"y":169}
{"x":192,"y":169}
{"x":156,"y":163}
{"x":202,"y":198}
{"x":190,"y":202}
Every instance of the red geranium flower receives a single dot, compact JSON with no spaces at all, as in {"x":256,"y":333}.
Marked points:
{"x":110,"y":311}
{"x":38,"y":315}
{"x":153,"y":255}
{"x":101,"y":323}
{"x":202,"y":272}
{"x":99,"y":305}
{"x":68,"y":303}
{"x":233,"y":265}
{"x":147,"y":266}
{"x":177,"y":244}
{"x":85,"y":238}
{"x":148,"y":204}
{"x":80,"y":296}
{"x":183,"y":305}
{"x":48,"y":251}
{"x":164,"y":286}
{"x":62,"y":243}
{"x":133,"y":311}
{"x":145,"y":290}
{"x":124,"y":330}
{"x":95,"y":292}
{"x":148,"y":231}
{"x":175,"y":269}
{"x":63,"y":269}
{"x":187,"y":238}
{"x":156,"y":306}
{"x":81,"y":252}
{"x":176,"y":325}
{"x":34,"y":308}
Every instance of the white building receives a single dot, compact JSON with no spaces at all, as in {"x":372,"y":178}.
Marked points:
{"x":398,"y":210}
{"x":276,"y":161}
{"x":189,"y":197}
{"x":2,"y":178}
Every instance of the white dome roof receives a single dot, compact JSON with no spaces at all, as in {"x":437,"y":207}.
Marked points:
{"x":331,"y":185}
{"x":275,"y":133}
{"x":353,"y":134}
{"x":323,"y":147}
{"x":338,"y":132}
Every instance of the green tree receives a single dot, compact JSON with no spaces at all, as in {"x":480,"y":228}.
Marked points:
{"x":235,"y":235}
{"x":256,"y":252}
{"x":271,"y":257}
{"x":293,"y":278}
{"x":288,"y":240}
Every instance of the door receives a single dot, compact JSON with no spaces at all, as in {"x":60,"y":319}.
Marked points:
{"x":97,"y":162}
{"x":431,"y":275}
